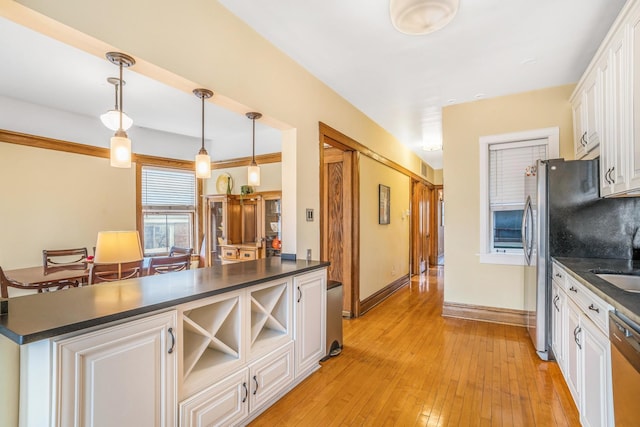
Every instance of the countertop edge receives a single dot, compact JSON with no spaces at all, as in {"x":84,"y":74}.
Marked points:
{"x":93,"y":322}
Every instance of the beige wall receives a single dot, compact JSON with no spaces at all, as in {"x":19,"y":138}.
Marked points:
{"x":384,"y":249}
{"x":270,"y":178}
{"x":466,"y":280}
{"x":52,"y":199}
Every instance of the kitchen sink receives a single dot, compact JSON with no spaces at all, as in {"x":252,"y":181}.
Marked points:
{"x":626,"y":282}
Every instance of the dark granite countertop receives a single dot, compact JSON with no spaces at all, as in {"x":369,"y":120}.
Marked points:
{"x":36,"y":317}
{"x":628,"y":303}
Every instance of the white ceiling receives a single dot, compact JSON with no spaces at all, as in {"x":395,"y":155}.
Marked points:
{"x":491,"y":48}
{"x":42,"y":71}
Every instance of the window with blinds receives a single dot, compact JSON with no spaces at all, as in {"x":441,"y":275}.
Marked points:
{"x":168,"y":209}
{"x":508,"y":164}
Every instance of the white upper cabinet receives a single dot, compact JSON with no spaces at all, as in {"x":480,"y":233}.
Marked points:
{"x":606,"y":106}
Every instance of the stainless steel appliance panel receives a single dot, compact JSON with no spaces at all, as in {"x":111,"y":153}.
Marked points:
{"x":625,"y":370}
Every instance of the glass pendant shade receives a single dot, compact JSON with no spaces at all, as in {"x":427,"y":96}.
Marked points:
{"x":111,"y":119}
{"x":203,"y":164}
{"x":253,"y":171}
{"x":120,"y":150}
{"x":253,"y":175}
{"x":203,"y":161}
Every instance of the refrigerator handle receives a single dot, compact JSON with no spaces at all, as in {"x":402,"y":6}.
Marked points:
{"x":527,"y":245}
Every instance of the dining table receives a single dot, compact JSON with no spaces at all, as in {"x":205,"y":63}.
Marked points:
{"x":36,"y":275}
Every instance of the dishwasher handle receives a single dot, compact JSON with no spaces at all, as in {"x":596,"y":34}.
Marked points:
{"x":625,"y":338}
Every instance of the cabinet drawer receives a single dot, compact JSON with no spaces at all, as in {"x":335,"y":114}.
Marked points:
{"x":591,"y":305}
{"x":247,"y":254}
{"x":229,"y":254}
{"x":559,"y":276}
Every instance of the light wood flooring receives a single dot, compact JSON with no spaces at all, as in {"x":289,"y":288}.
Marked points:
{"x":403,"y":364}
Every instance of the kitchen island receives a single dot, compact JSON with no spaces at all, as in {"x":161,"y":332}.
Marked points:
{"x":217,"y":344}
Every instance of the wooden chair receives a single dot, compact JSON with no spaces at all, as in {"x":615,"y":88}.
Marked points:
{"x":64,"y":259}
{"x":101,"y":273}
{"x":176,"y":250}
{"x":169,"y":264}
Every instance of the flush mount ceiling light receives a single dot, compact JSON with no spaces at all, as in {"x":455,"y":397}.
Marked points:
{"x":432,"y":145}
{"x":120,"y":142}
{"x":203,"y":161}
{"x":253,"y":172}
{"x":111,"y":119}
{"x":417,"y":17}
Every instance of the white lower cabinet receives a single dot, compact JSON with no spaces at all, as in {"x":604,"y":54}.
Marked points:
{"x":584,"y":346}
{"x":558,"y":322}
{"x":310,"y":293}
{"x":240,"y":394}
{"x":120,"y":376}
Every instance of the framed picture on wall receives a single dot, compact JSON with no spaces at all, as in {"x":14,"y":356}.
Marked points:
{"x":384,"y":197}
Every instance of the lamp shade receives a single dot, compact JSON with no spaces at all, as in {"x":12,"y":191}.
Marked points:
{"x":120,"y":151}
{"x":117,"y":247}
{"x":111,"y":119}
{"x":253,"y":175}
{"x":203,"y":164}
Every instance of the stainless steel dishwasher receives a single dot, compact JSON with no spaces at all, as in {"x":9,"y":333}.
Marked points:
{"x":625,"y":369}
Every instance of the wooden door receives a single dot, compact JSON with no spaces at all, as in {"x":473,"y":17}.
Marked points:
{"x":420,"y":227}
{"x":337,"y":223}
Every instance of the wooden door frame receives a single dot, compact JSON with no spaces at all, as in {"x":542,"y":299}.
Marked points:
{"x":434,"y":226}
{"x":351,"y":201}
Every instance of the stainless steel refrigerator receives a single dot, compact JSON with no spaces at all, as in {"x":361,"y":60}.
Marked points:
{"x":557,"y":195}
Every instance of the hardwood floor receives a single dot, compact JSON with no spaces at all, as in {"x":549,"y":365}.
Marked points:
{"x":405,"y":365}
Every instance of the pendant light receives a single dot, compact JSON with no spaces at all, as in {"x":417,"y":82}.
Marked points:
{"x":111,"y":119}
{"x":120,"y":142}
{"x":203,"y":161}
{"x":253,"y":172}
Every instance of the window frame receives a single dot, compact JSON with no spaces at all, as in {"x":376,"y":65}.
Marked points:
{"x":177,"y":165}
{"x":486,"y":253}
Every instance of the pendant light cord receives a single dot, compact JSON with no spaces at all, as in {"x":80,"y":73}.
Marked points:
{"x":253,"y":155}
{"x":120,"y":95}
{"x":202,"y":98}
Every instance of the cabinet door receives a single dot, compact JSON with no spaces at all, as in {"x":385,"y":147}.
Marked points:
{"x":619,"y":114}
{"x":572,"y":356}
{"x":558,"y":335}
{"x":579,"y":131}
{"x":592,"y":110}
{"x":634,"y":89}
{"x":124,"y":375}
{"x":595,"y":386}
{"x":270,"y":375}
{"x":222,"y":404}
{"x":310,"y":293}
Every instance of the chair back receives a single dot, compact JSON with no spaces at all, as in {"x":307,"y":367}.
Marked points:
{"x":176,"y":250}
{"x":101,"y":273}
{"x":64,"y":259}
{"x":169,"y":264}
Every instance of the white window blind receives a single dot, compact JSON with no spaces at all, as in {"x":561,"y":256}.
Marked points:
{"x":168,"y":188}
{"x":508,"y":163}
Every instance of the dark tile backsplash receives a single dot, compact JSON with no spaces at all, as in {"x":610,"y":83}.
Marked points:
{"x":602,"y":228}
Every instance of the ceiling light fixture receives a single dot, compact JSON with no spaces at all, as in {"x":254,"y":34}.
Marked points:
{"x":203,"y":161}
{"x":120,"y":142}
{"x":417,"y":17}
{"x":111,"y":119}
{"x":432,"y":145}
{"x":253,"y":172}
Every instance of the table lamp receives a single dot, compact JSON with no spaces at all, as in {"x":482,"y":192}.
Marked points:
{"x":118,"y":247}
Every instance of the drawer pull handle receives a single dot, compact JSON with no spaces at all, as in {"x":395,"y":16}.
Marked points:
{"x":299,"y":294}
{"x":594,"y":308}
{"x":246,"y":392}
{"x":256,"y":381}
{"x":576,"y":331}
{"x":555,"y":300}
{"x":573,"y":289}
{"x":173,"y":340}
{"x":559,"y":275}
